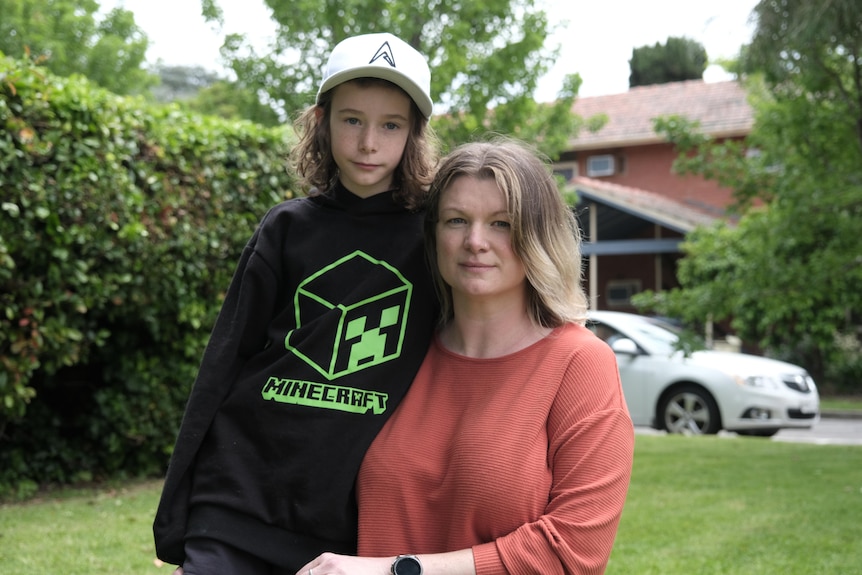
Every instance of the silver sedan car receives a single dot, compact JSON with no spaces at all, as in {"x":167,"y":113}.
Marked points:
{"x":704,"y":391}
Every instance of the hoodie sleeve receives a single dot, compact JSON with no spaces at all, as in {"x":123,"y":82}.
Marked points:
{"x":238,"y":333}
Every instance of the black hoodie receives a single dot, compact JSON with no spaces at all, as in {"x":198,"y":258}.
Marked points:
{"x":326,"y":321}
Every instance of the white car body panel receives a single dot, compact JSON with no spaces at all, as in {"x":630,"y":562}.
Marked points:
{"x":654,"y":369}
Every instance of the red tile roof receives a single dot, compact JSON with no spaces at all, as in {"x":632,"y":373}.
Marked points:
{"x":721,"y":108}
{"x":649,"y":205}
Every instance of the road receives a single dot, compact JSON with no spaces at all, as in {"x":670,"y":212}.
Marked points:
{"x":827,"y":432}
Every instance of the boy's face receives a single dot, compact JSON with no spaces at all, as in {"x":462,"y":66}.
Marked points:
{"x":369,"y":129}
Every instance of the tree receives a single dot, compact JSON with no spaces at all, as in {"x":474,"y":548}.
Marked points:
{"x":181,"y":82}
{"x":486,"y":58}
{"x":65,"y":37}
{"x":204,"y":91}
{"x":789,"y":274}
{"x":230,"y":100}
{"x":677,"y":60}
{"x":813,"y":46}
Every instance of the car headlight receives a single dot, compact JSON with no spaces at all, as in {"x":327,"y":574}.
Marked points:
{"x":761,"y":381}
{"x":799,"y":381}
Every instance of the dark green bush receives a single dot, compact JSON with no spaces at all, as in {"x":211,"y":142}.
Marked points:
{"x":120,"y":226}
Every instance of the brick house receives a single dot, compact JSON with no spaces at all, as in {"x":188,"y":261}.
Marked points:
{"x":633,"y":210}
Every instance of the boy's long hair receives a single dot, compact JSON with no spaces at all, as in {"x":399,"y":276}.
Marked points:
{"x":314,"y":164}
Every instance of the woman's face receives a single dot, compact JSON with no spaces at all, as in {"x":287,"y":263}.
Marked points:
{"x":369,"y":129}
{"x":474,"y":243}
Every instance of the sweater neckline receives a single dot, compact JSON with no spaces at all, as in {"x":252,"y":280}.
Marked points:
{"x":513,"y":355}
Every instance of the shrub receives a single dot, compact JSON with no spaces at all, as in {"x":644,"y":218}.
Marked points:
{"x":120,"y":225}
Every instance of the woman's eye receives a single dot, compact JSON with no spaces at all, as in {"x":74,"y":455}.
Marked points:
{"x":352,"y":121}
{"x":502,"y":224}
{"x":391,"y":126}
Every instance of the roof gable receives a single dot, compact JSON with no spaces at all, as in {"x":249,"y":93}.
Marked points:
{"x":721,"y":108}
{"x":643,"y":204}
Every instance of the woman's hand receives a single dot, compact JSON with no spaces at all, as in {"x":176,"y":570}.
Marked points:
{"x":332,"y":564}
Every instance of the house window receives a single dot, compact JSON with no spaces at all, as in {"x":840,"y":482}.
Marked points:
{"x":567,"y":170}
{"x":620,"y":292}
{"x":603,"y":165}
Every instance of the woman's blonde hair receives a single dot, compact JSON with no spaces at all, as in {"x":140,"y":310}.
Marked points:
{"x":545,"y":235}
{"x":314,"y":164}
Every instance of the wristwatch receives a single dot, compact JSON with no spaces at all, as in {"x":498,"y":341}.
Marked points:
{"x":406,"y":565}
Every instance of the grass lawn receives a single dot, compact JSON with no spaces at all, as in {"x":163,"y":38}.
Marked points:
{"x":845,"y":403}
{"x":697,"y":505}
{"x":75,"y":532}
{"x":716,"y":505}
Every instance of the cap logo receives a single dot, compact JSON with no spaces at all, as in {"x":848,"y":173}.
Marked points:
{"x":384,"y":52}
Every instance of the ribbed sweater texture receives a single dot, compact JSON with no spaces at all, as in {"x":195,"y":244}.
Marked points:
{"x":526,"y":459}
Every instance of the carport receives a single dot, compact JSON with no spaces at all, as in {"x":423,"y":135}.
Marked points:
{"x":618,"y":220}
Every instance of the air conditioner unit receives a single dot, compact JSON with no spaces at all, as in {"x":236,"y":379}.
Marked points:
{"x":603,"y":165}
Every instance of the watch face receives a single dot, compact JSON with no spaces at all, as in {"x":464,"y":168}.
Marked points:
{"x":407,"y":565}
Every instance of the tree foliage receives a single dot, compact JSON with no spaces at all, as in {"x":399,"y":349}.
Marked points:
{"x":227,"y":99}
{"x":674,"y":61}
{"x":66,"y":37}
{"x":200,"y":90}
{"x":486,"y":58}
{"x":789,"y":274}
{"x":178,"y":83}
{"x":120,"y":226}
{"x":811,"y":47}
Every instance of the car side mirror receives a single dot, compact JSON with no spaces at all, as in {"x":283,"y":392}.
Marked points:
{"x":625,"y":346}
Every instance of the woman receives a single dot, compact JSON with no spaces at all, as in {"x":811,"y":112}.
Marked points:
{"x":512,"y":451}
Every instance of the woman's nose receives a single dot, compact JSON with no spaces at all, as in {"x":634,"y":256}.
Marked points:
{"x":475,"y":239}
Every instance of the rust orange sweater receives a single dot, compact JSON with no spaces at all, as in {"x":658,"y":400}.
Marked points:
{"x":524,"y":458}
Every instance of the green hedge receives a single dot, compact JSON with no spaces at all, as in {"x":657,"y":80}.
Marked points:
{"x":120,"y":226}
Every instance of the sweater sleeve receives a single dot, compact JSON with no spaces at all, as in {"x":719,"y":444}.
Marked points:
{"x":590,"y":451}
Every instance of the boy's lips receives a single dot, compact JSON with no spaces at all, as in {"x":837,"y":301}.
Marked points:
{"x":364,"y":166}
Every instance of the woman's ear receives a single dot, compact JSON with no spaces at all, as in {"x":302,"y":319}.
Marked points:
{"x":318,"y":112}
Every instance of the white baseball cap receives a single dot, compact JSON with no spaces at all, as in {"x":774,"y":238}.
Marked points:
{"x":381,"y":56}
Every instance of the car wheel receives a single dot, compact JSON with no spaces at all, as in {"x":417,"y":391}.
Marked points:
{"x":689,"y":410}
{"x":757,"y":432}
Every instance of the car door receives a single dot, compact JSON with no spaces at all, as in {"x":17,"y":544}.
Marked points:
{"x":637,"y":372}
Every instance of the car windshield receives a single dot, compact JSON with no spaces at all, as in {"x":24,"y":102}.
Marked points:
{"x":659,"y":337}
